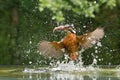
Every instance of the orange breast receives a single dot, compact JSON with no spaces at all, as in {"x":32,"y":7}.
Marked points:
{"x":70,"y":43}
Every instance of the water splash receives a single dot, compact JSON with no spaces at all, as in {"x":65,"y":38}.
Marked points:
{"x":73,"y":66}
{"x":66,"y":65}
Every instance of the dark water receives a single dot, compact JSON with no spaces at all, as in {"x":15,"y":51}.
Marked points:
{"x":43,"y":73}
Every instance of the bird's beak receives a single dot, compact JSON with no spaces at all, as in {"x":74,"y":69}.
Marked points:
{"x":58,"y":28}
{"x":54,"y":29}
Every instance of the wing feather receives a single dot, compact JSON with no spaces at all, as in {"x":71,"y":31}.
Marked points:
{"x":50,"y":49}
{"x":89,"y":39}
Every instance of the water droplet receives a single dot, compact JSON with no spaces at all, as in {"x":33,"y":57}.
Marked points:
{"x":30,"y":62}
{"x":96,"y":51}
{"x":111,"y":50}
{"x":30,"y":42}
{"x":99,"y":59}
{"x":96,"y":47}
{"x":28,"y":51}
{"x":84,"y":26}
{"x":95,"y":2}
{"x":99,"y":44}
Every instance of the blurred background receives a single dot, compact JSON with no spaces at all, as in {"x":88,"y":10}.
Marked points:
{"x":23,"y":23}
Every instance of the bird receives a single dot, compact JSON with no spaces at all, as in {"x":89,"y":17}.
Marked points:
{"x":71,"y":43}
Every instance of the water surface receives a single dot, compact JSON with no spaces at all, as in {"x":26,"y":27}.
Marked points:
{"x":49,"y":73}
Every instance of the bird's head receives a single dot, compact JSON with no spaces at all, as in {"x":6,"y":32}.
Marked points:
{"x":67,"y":27}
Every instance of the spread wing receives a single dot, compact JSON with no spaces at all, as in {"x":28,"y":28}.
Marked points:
{"x":50,"y":49}
{"x":89,"y":39}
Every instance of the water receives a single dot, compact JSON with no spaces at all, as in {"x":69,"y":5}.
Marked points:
{"x":61,"y":72}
